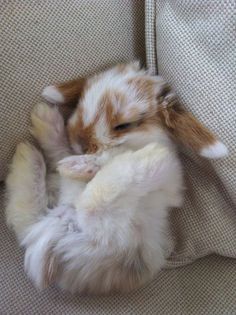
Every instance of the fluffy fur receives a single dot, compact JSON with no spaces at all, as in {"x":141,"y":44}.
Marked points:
{"x":97,"y":222}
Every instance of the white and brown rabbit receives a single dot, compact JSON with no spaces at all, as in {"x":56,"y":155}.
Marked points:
{"x":107,"y":228}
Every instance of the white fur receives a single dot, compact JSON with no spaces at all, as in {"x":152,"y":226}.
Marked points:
{"x":48,"y":128}
{"x":26,"y":200}
{"x":106,"y":234}
{"x":53,"y":95}
{"x":214,"y":151}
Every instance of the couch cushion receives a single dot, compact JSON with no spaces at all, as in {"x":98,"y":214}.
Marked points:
{"x":49,"y":41}
{"x":205,"y":287}
{"x":193,"y":47}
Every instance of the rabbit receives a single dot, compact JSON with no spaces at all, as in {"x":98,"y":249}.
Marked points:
{"x":92,"y":213}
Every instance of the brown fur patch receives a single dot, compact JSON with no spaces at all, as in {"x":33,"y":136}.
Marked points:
{"x":184,"y":127}
{"x":72,"y":90}
{"x":107,"y":105}
{"x":84,"y":135}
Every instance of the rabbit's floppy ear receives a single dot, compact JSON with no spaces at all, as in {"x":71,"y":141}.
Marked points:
{"x":67,"y":93}
{"x":184,"y":128}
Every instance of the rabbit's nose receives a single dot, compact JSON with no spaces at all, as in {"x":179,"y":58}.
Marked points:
{"x":90,"y":148}
{"x":88,"y":143}
{"x":83,"y":146}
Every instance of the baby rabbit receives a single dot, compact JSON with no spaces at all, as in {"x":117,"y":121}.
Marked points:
{"x":107,"y":228}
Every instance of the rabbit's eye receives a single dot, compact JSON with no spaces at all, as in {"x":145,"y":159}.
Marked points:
{"x":128,"y":126}
{"x":123,"y":126}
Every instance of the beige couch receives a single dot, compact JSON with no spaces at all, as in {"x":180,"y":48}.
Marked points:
{"x":192,"y":44}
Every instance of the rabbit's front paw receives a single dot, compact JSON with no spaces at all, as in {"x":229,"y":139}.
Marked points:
{"x":82,"y":167}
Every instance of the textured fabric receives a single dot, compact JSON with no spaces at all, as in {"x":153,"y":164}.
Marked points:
{"x":150,"y":38}
{"x":47,"y":41}
{"x":34,"y":35}
{"x":195,"y":48}
{"x":194,"y":289}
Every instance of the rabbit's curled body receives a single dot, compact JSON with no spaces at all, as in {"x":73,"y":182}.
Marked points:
{"x":106,"y":227}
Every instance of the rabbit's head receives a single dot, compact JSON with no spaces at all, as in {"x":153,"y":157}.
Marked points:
{"x":127,"y":106}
